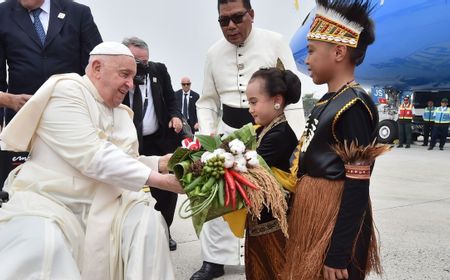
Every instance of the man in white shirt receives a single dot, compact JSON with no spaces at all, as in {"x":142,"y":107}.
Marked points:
{"x":76,"y":209}
{"x":223,"y":107}
{"x":156,"y":117}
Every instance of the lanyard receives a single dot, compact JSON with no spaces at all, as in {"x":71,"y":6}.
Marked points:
{"x":146,"y":98}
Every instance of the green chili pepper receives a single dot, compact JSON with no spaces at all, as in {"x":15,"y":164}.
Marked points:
{"x":192,"y":185}
{"x":221,"y":192}
{"x":188,"y":178}
{"x":207,"y":187}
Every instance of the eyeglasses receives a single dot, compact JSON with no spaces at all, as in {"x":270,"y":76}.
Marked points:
{"x":236,"y":19}
{"x":185,"y":84}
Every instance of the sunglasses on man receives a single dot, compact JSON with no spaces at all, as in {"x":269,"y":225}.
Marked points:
{"x":236,"y":19}
{"x":185,"y":84}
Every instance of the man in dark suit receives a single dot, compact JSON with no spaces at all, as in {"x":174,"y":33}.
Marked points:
{"x":39,"y":38}
{"x":186,"y":99}
{"x":156,"y":117}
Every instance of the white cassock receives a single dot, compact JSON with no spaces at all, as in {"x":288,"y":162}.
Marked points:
{"x":228,"y":69}
{"x":75,"y":209}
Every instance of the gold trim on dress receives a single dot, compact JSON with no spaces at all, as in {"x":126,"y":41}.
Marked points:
{"x":339,"y":113}
{"x":345,"y":108}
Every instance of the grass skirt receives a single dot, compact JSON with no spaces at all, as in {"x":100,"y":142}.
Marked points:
{"x":264,"y":256}
{"x":311,"y":223}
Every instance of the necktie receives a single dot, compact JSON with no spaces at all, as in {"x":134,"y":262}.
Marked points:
{"x":185,"y":106}
{"x":38,"y":25}
{"x":137,"y":107}
{"x":137,"y":118}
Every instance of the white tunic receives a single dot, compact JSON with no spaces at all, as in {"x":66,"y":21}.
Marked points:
{"x":83,"y":158}
{"x":228,"y":69}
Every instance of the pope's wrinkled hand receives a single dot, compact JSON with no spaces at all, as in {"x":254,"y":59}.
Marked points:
{"x":173,"y":184}
{"x":162,"y":163}
{"x":166,"y":182}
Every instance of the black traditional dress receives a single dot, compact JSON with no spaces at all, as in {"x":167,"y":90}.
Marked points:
{"x":265,"y":242}
{"x":330,"y":220}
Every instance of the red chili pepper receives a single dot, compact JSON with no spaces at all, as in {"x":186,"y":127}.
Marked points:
{"x":243,"y":193}
{"x":233,"y":197}
{"x":241,"y":179}
{"x":232,"y":187}
{"x":227,"y":194}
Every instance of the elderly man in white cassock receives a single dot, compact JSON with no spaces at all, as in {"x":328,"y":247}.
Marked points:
{"x":76,"y":208}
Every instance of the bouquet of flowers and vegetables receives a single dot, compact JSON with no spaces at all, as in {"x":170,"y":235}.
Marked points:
{"x":222,"y":175}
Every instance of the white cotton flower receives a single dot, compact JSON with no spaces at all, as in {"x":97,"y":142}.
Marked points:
{"x":252,"y":158}
{"x":254,"y":162}
{"x":237,"y":147}
{"x":207,"y":156}
{"x":240,"y":167}
{"x":219,"y":152}
{"x":250,"y":154}
{"x":240,"y":163}
{"x":240,"y":159}
{"x":229,"y":160}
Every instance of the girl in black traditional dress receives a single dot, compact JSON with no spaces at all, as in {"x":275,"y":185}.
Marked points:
{"x":268,"y":92}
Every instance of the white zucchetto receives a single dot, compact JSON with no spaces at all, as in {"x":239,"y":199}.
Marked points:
{"x":111,"y":48}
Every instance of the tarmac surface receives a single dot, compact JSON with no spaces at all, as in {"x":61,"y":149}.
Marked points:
{"x":410,"y":191}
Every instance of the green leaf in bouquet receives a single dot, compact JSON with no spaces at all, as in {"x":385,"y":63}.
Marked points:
{"x":187,"y":179}
{"x":205,"y":208}
{"x":197,"y":207}
{"x":209,"y":143}
{"x":246,"y":134}
{"x":219,"y":211}
{"x":196,"y":156}
{"x":218,"y":140}
{"x":198,"y":221}
{"x":178,"y":156}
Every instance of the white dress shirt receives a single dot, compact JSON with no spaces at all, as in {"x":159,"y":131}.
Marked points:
{"x":150,"y":122}
{"x":44,"y":16}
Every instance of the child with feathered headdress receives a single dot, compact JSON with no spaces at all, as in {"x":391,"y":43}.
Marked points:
{"x":331,"y":233}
